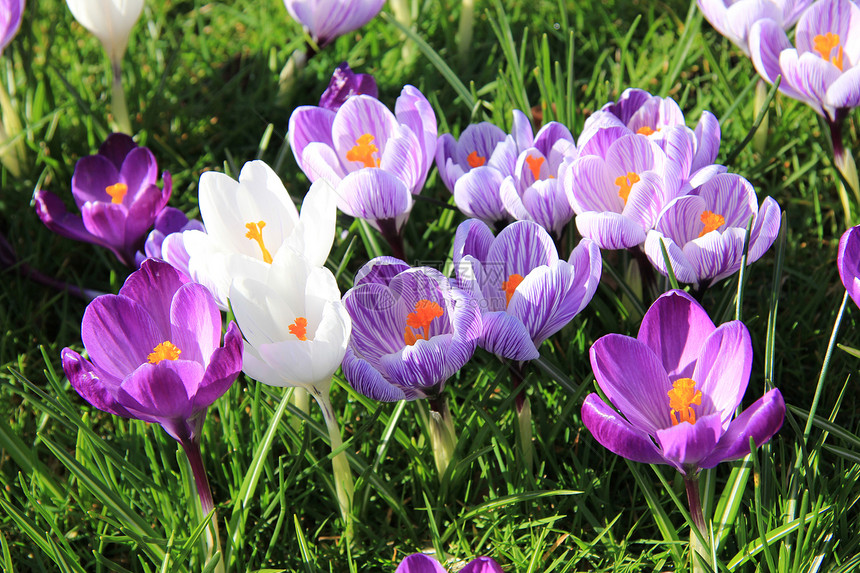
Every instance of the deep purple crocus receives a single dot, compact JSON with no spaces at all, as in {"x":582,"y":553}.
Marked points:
{"x":676,"y":388}
{"x":345,"y":83}
{"x":326,"y":20}
{"x":117,"y":195}
{"x":848,"y":261}
{"x":411,"y":331}
{"x":10,"y":20}
{"x":525,"y":292}
{"x":421,"y":563}
{"x":704,"y":232}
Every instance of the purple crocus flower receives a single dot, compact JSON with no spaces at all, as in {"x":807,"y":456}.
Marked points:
{"x":525,"y":292}
{"x":411,"y":331}
{"x":155,"y":352}
{"x":704,"y":232}
{"x":117,"y":195}
{"x":326,"y":20}
{"x":171,"y":221}
{"x":345,"y":83}
{"x":824,"y":69}
{"x":374,"y":159}
{"x":10,"y":20}
{"x":734,"y":18}
{"x":420,"y":563}
{"x":848,"y":261}
{"x":676,"y":388}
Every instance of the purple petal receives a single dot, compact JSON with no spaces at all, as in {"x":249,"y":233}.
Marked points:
{"x":328,"y":19}
{"x":521,"y":130}
{"x":685,"y":445}
{"x":681,"y":265}
{"x":765,"y":230}
{"x":482,"y":565}
{"x":380,"y":270}
{"x":419,"y":563}
{"x":93,"y":175}
{"x":414,"y":111}
{"x":345,"y":83}
{"x":521,"y":247}
{"x":153,"y":287}
{"x":402,"y":160}
{"x":767,"y":40}
{"x":195,"y":322}
{"x":722,"y":370}
{"x":707,"y":141}
{"x":610,"y":230}
{"x":839,"y":17}
{"x":617,"y":434}
{"x":225,"y":364}
{"x":717,"y":255}
{"x":116,"y":147}
{"x":52,"y":211}
{"x":358,"y":117}
{"x":590,"y":188}
{"x":506,"y":336}
{"x":374,"y":195}
{"x":368,"y":381}
{"x":378,"y":320}
{"x":307,"y":124}
{"x":848,"y":262}
{"x":139,"y":171}
{"x":93,"y":385}
{"x":844,"y":92}
{"x":473,"y":238}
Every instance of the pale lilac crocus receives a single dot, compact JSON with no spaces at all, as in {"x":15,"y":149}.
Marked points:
{"x":344,"y":84}
{"x":421,"y":563}
{"x":326,"y":20}
{"x":165,"y":240}
{"x":10,"y":20}
{"x":117,"y":195}
{"x":376,"y":160}
{"x":704,"y":232}
{"x":848,"y":262}
{"x":734,"y":18}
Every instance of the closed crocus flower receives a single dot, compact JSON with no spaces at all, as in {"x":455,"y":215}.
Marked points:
{"x":676,"y":388}
{"x":326,"y":20}
{"x":848,"y":262}
{"x":247,"y":223}
{"x":411,"y":331}
{"x":420,"y":563}
{"x":344,"y":84}
{"x":734,"y":18}
{"x":10,"y":20}
{"x":110,"y":21}
{"x":525,"y":292}
{"x":704,"y":232}
{"x":117,"y":195}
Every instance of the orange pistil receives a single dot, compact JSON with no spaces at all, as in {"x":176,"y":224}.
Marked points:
{"x":299,"y":328}
{"x":625,"y":184}
{"x":117,"y":192}
{"x":645,"y":130}
{"x":164,"y":351}
{"x":824,"y":44}
{"x":425,"y":312}
{"x":712,"y":221}
{"x":255,"y":233}
{"x":510,"y":285}
{"x":534,"y":164}
{"x":476,"y":160}
{"x":363,"y":151}
{"x":681,"y":398}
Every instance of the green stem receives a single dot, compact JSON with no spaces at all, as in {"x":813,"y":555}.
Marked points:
{"x":343,"y":482}
{"x":118,"y":105}
{"x":695,"y":502}
{"x":301,"y":400}
{"x":465,"y":29}
{"x":212,"y":541}
{"x":760,"y":101}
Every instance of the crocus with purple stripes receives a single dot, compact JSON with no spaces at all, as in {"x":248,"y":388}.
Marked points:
{"x":734,"y":18}
{"x":326,"y":20}
{"x":676,"y":388}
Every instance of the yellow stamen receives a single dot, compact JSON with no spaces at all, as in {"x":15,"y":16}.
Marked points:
{"x":299,"y":328}
{"x":117,"y":192}
{"x":681,"y":398}
{"x":712,"y":221}
{"x":255,"y":233}
{"x":625,"y":184}
{"x":475,"y":160}
{"x":824,"y":44}
{"x":164,"y":351}
{"x":510,"y":285}
{"x":425,"y":312}
{"x":363,"y":151}
{"x":645,"y":130}
{"x":534,"y":164}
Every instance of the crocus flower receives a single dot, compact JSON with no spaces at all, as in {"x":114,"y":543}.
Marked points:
{"x":345,"y":83}
{"x":525,"y":292}
{"x":704,"y":232}
{"x":325,"y":20}
{"x":676,"y":388}
{"x":848,"y":261}
{"x":171,"y":221}
{"x":824,"y":69}
{"x":734,"y":18}
{"x":10,"y":20}
{"x":373,"y":158}
{"x":116,"y":193}
{"x":420,"y":563}
{"x":249,"y":221}
{"x":110,"y":21}
{"x":411,"y":331}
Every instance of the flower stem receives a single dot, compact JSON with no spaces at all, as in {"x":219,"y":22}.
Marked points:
{"x":760,"y":137}
{"x":212,"y":541}
{"x":443,"y":437}
{"x":343,"y":483}
{"x":695,"y":502}
{"x":464,"y":30}
{"x":389,"y":231}
{"x":301,"y":400}
{"x":524,"y":413}
{"x":844,"y":162}
{"x":118,"y":105}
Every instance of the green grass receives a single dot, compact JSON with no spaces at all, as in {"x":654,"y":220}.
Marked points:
{"x":84,"y":491}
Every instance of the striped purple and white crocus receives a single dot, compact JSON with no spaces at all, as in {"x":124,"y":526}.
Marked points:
{"x":326,"y":20}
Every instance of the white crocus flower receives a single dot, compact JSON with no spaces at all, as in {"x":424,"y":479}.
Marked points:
{"x":296,"y":331}
{"x":249,"y":221}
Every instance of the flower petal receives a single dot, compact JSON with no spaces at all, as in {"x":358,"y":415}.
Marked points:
{"x":617,"y":434}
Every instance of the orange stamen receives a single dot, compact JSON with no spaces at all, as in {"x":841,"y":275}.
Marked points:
{"x":164,"y":351}
{"x":475,"y":160}
{"x":625,"y":184}
{"x":510,"y":285}
{"x":681,"y":398}
{"x":712,"y":221}
{"x":255,"y":233}
{"x":299,"y":328}
{"x":534,"y":164}
{"x":425,"y":312}
{"x":645,"y":130}
{"x":363,"y":151}
{"x":117,"y":192}
{"x":824,"y":44}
